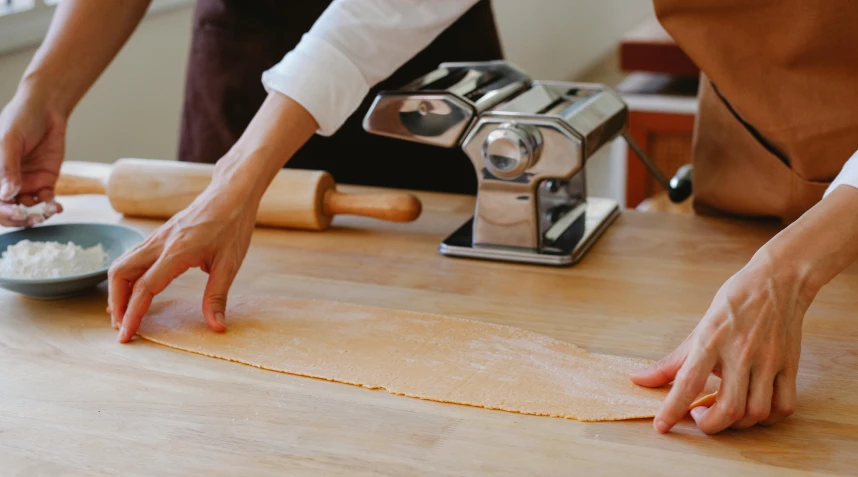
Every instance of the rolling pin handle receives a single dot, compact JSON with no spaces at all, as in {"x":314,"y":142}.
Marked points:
{"x":393,"y":206}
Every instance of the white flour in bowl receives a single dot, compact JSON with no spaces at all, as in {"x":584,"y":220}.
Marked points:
{"x":28,"y":260}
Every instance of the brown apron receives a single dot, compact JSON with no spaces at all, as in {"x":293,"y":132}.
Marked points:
{"x":234,"y":41}
{"x":778,"y":113}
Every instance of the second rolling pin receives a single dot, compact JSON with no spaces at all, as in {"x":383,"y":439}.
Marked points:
{"x":300,"y":199}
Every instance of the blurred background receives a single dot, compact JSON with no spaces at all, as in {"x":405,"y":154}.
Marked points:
{"x":134,"y":108}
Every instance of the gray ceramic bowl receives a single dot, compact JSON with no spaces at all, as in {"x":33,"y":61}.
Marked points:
{"x":116,"y":240}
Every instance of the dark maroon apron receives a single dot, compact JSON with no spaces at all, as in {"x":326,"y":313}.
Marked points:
{"x":234,"y":41}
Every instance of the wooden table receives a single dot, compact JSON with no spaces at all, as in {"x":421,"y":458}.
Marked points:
{"x":74,"y":402}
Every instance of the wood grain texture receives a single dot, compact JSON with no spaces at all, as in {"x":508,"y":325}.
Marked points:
{"x":74,"y":402}
{"x":394,"y":207}
{"x":660,"y":202}
{"x":298,"y":199}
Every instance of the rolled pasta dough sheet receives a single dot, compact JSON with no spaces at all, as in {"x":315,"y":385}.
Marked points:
{"x":438,"y":358}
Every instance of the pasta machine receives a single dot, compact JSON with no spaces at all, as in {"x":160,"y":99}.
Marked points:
{"x":529,"y":142}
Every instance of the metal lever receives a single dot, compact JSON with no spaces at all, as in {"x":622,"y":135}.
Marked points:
{"x":678,"y":188}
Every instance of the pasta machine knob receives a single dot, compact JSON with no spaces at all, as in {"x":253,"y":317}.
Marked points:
{"x":510,"y":149}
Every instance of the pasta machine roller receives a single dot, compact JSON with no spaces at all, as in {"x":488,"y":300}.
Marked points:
{"x":529,"y":142}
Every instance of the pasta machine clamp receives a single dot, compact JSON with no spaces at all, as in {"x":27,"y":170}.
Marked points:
{"x":528,"y":141}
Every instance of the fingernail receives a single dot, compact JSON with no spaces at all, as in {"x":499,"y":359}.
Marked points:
{"x":698,"y":412}
{"x":8,"y":191}
{"x":661,"y":426}
{"x":121,"y":334}
{"x":220,"y":319}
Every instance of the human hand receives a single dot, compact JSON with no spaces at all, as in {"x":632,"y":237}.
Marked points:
{"x":751,"y":338}
{"x":32,"y":146}
{"x":213,"y":233}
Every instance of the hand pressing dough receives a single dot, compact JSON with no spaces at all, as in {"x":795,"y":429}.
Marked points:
{"x":418,"y":355}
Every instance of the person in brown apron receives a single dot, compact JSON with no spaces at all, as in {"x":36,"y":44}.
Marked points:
{"x":777,"y":120}
{"x":235,"y":41}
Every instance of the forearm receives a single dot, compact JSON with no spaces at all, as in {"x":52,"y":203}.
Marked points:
{"x":277,"y":131}
{"x":354,"y":45}
{"x":822,"y":243}
{"x":83,"y":38}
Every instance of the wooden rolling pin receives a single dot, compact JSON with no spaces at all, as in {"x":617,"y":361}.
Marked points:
{"x":299,"y":199}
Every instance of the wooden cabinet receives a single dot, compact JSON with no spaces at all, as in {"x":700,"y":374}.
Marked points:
{"x":661,"y":92}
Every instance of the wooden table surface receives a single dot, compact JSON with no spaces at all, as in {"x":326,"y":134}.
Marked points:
{"x":74,"y":402}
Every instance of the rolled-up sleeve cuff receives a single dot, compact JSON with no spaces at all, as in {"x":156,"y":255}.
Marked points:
{"x":847,"y":176}
{"x":321,"y":79}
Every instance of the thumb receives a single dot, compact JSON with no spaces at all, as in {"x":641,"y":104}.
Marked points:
{"x":663,"y":372}
{"x":10,"y":168}
{"x":214,"y":298}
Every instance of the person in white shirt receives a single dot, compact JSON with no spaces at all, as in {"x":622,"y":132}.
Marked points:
{"x":352,"y":46}
{"x":235,"y":41}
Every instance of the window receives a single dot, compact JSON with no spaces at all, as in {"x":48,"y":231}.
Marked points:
{"x":23,"y":23}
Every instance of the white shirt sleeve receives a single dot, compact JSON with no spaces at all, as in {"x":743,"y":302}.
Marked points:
{"x":354,"y":45}
{"x":848,"y":175}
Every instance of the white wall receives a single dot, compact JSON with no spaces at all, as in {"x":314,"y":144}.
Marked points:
{"x":134,"y":108}
{"x":562,"y":39}
{"x":568,"y":40}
